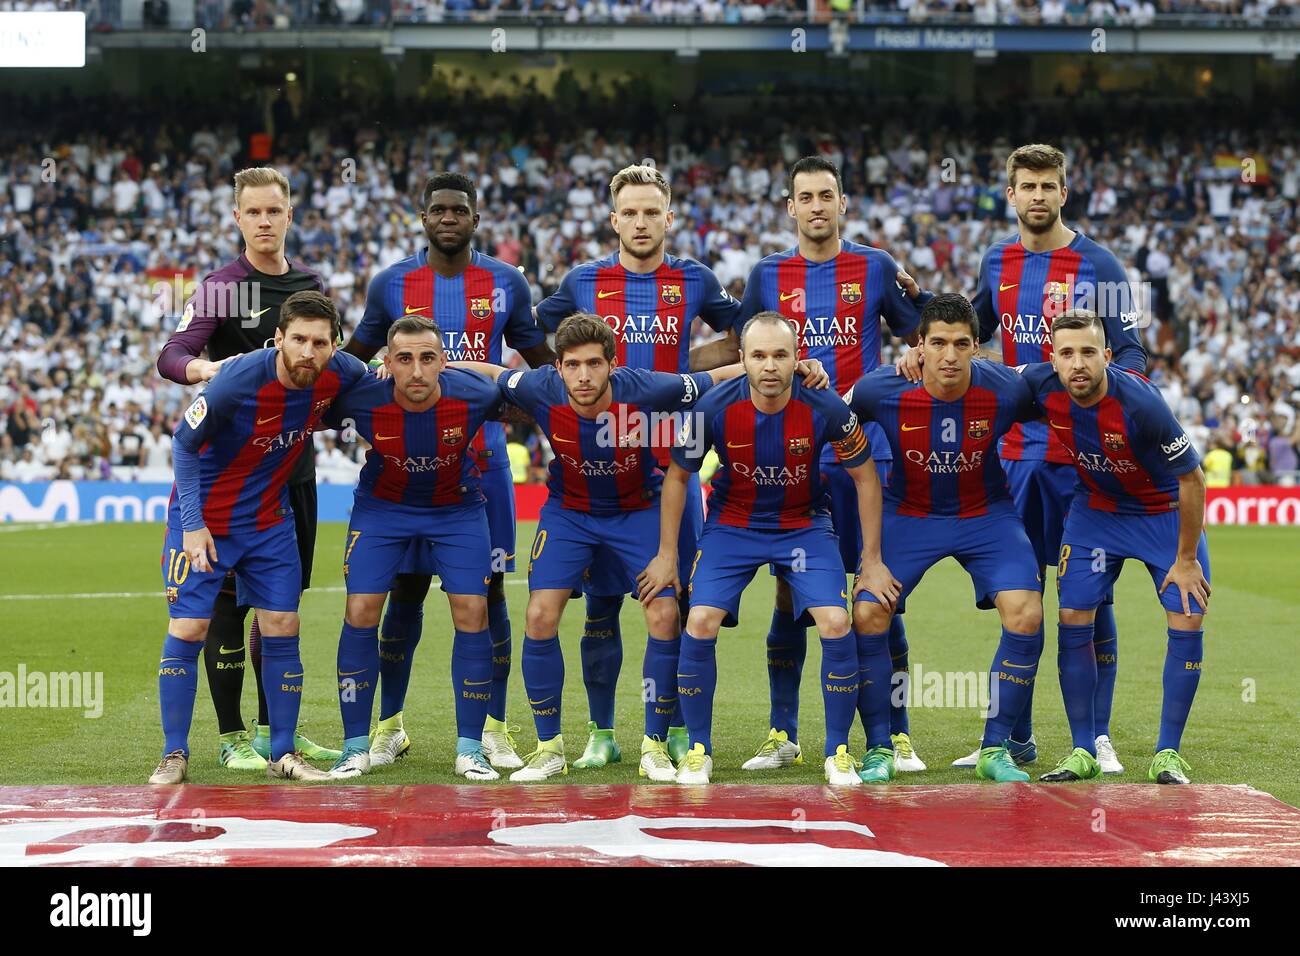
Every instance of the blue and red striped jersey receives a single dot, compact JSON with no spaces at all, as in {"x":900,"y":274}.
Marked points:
{"x":1128,"y":448}
{"x":236,"y":444}
{"x":607,"y":465}
{"x":651,"y":313}
{"x":836,"y":307}
{"x":769,"y":477}
{"x":945,"y":460}
{"x":419,"y":458}
{"x":1019,"y":294}
{"x":487,"y":303}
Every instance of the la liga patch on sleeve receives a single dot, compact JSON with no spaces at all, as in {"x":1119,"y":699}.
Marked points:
{"x":197,"y":412}
{"x":186,"y":318}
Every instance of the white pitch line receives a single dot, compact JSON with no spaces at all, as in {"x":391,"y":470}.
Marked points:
{"x":109,"y":595}
{"x":44,"y":526}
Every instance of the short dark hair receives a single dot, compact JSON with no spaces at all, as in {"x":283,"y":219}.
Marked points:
{"x":310,"y":304}
{"x":414,"y":325}
{"x":456,"y":181}
{"x":1038,"y":158}
{"x":1079,"y":319}
{"x":769,"y":318}
{"x":951,"y":308}
{"x":813,"y":164}
{"x":584,"y":328}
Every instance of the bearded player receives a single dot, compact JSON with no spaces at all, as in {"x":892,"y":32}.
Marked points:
{"x":1025,"y":280}
{"x":650,"y":300}
{"x":834,"y":293}
{"x":236,"y":310}
{"x":479,"y":302}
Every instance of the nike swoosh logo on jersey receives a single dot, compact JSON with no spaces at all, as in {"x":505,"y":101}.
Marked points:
{"x":230,"y":650}
{"x":732,"y":444}
{"x":1064,"y":428}
{"x":386,"y":437}
{"x":567,"y":441}
{"x":606,"y":295}
{"x":787,"y":296}
{"x":1019,"y":667}
{"x":1004,"y":288}
{"x":261,"y":312}
{"x":263,"y":421}
{"x":913,"y":428}
{"x":411,"y":311}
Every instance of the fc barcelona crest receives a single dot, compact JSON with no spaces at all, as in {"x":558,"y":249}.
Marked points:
{"x":453,"y":436}
{"x":851,"y":292}
{"x":977,"y":428}
{"x":1113,"y":440}
{"x":799,"y":446}
{"x":1058,"y":292}
{"x":480,"y":308}
{"x":671,"y":294}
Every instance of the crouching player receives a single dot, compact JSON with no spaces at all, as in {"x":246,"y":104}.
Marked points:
{"x":947,"y":497}
{"x":233,"y":452}
{"x":1143,"y":497}
{"x":602,"y":508}
{"x":419,"y":489}
{"x":768,"y":507}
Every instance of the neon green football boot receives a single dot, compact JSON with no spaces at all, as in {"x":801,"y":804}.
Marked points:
{"x":877,"y":765}
{"x":995,"y":763}
{"x":1077,"y":765}
{"x":1169,"y":767}
{"x":237,"y":752}
{"x":601,"y":749}
{"x":308,"y":748}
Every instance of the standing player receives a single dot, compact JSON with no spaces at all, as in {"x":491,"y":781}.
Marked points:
{"x":478,"y":302}
{"x":1025,"y":280}
{"x":236,"y":310}
{"x":768,"y":506}
{"x":947,"y":497}
{"x":834,"y":292}
{"x":234,"y":451}
{"x":420,"y":486}
{"x":602,"y":509}
{"x":1142,"y":496}
{"x":650,"y":300}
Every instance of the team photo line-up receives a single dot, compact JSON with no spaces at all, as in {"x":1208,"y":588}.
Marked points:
{"x":847,"y":480}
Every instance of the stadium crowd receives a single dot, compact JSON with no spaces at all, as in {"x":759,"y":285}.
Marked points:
{"x":283,"y":14}
{"x":99,"y":232}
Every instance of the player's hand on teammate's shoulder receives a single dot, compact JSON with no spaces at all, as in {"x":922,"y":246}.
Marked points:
{"x":1189,"y":577}
{"x":907,"y":283}
{"x":380,"y":370}
{"x":200,"y":549}
{"x":814,"y":373}
{"x":208,"y":371}
{"x":909,"y":365}
{"x":660,"y":573}
{"x":877,"y":580}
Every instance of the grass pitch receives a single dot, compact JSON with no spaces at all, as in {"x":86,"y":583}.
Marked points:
{"x":89,"y":598}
